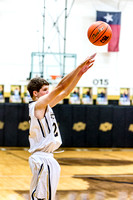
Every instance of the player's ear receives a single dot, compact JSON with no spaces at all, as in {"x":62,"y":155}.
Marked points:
{"x":35,"y":93}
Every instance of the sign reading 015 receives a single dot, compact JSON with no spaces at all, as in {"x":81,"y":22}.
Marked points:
{"x":100,"y":81}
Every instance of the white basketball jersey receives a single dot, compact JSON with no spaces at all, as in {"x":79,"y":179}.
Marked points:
{"x":44,"y":134}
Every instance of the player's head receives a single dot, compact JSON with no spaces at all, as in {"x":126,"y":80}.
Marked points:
{"x":37,"y":87}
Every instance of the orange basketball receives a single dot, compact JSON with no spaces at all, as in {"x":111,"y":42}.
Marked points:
{"x":99,"y":33}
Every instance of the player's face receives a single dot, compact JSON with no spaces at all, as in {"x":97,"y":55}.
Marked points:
{"x":44,"y":90}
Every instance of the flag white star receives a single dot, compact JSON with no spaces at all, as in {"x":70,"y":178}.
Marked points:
{"x":108,"y":18}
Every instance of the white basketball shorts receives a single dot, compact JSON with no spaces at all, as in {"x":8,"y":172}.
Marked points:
{"x":46,"y":173}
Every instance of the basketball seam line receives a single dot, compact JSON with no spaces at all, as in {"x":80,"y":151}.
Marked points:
{"x":101,"y":35}
{"x":94,"y":30}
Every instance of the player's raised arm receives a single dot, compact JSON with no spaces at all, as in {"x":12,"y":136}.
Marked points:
{"x":71,"y":86}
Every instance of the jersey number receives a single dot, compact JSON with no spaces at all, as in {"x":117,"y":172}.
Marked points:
{"x":55,"y":129}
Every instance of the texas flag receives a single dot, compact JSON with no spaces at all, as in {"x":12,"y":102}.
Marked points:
{"x":114,"y":20}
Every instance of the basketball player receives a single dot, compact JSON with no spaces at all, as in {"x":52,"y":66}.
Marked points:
{"x":44,"y":135}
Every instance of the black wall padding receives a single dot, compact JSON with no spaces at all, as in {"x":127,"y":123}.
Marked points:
{"x":92,"y":125}
{"x":105,"y":116}
{"x":78,"y":116}
{"x":119,"y":127}
{"x":80,"y":125}
{"x":128,"y":127}
{"x":11,"y":125}
{"x":2,"y":124}
{"x":23,"y":133}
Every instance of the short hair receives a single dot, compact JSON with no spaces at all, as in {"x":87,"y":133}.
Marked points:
{"x":36,"y":84}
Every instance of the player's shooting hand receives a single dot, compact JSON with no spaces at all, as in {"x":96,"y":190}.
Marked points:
{"x":88,"y":63}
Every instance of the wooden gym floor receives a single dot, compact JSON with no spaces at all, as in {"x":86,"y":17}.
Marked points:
{"x":86,"y":174}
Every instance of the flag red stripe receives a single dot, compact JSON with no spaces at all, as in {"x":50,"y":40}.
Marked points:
{"x":114,"y":42}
